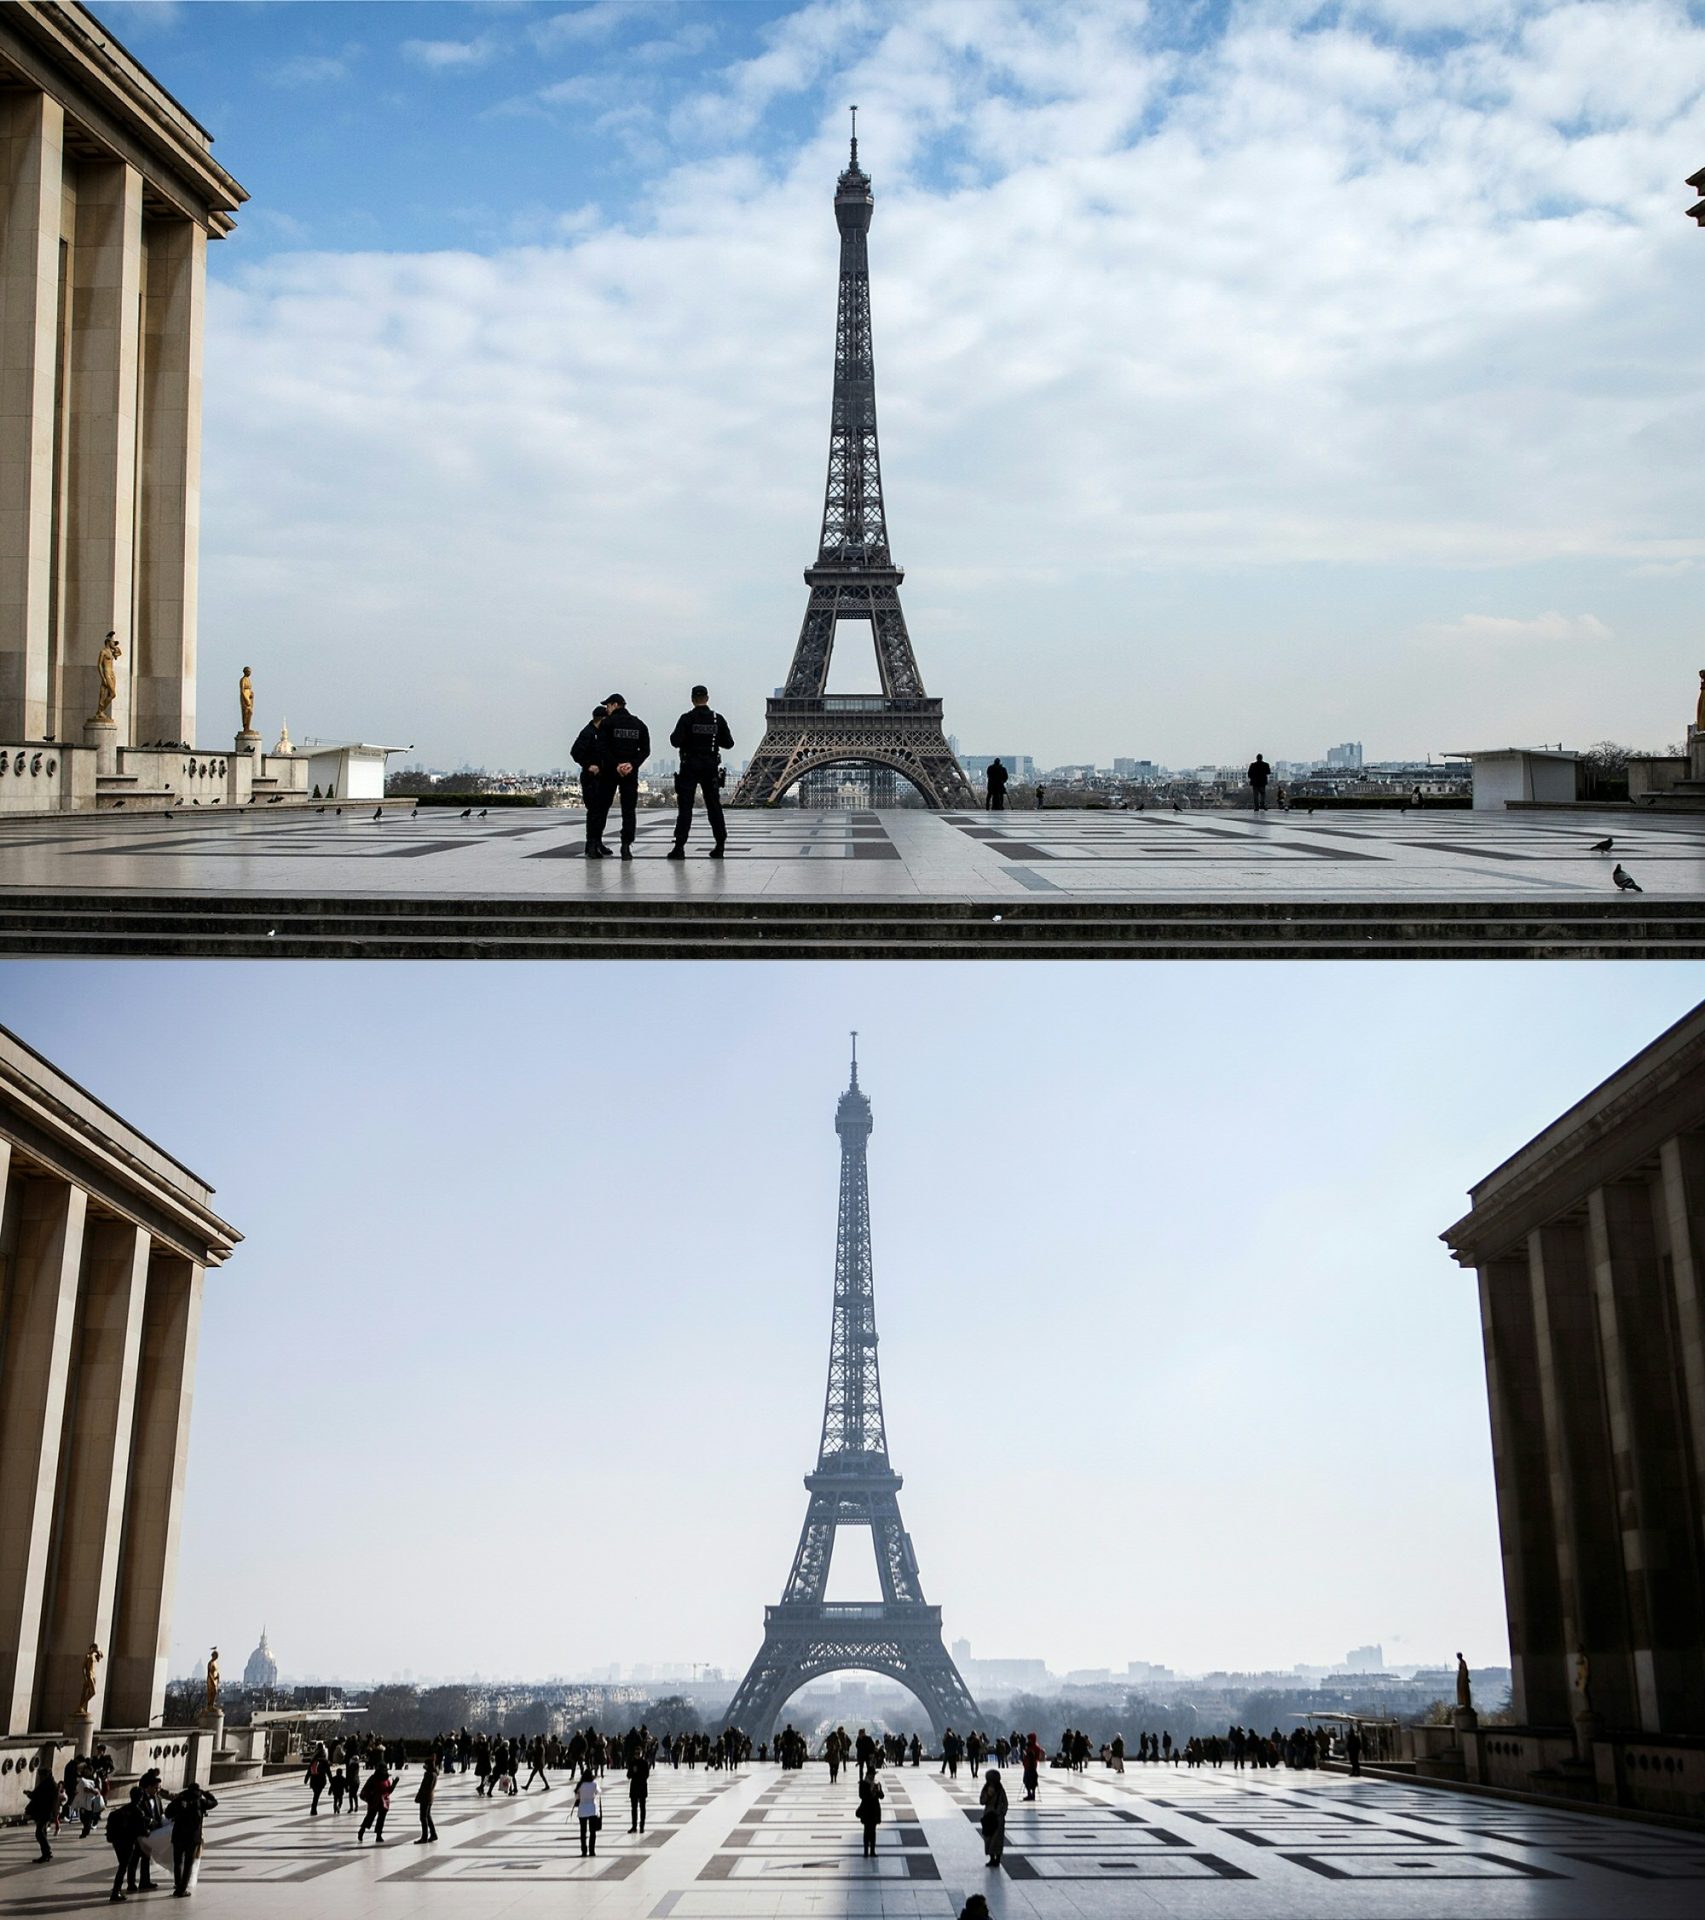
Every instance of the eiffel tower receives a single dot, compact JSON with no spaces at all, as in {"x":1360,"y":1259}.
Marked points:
{"x":854,"y":1486}
{"x":806,"y":727}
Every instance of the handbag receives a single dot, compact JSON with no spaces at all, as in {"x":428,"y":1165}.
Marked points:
{"x":597,"y":1823}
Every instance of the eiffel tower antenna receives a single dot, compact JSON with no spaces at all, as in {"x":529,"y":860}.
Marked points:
{"x":854,"y":1486}
{"x":805,"y":726}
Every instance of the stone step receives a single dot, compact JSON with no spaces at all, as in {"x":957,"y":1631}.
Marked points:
{"x":294,"y":928}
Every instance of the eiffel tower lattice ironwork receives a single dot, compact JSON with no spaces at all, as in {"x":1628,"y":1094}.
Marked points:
{"x":854,"y":1486}
{"x":805,"y":726}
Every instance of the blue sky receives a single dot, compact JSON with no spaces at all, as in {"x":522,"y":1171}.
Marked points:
{"x":522,"y":1359}
{"x":1330,"y":371}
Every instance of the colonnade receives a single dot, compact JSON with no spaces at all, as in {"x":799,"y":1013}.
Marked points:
{"x":1590,"y":1248}
{"x":104,"y":1242}
{"x":107,"y":199}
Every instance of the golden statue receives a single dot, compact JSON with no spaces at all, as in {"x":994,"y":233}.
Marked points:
{"x":1464,"y":1687}
{"x":90,"y":1661}
{"x":213,"y":1658}
{"x":1699,"y":711}
{"x":246,"y":693}
{"x":107,"y":665}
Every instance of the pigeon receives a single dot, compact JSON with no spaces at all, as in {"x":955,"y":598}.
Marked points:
{"x":165,"y":816}
{"x":319,"y":809}
{"x":467,"y":813}
{"x":483,"y":812}
{"x":1626,"y":883}
{"x":339,"y":812}
{"x":378,"y":813}
{"x":1602,"y":846}
{"x":118,"y":803}
{"x":413,"y":811}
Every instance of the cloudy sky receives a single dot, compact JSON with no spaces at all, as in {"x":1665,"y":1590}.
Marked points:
{"x":521,"y":1361}
{"x":1251,"y":376}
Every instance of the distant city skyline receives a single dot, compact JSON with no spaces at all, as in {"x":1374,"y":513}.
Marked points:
{"x":518,"y":365}
{"x":530,"y":1320}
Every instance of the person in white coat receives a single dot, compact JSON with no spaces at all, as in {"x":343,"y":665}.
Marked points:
{"x":589,"y":1806}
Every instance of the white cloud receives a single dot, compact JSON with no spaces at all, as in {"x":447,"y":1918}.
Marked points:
{"x":1506,"y":631}
{"x":313,"y":69}
{"x":1192,"y":364}
{"x":448,"y":55}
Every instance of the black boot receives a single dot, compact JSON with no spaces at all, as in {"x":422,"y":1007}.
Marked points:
{"x":676,"y":852}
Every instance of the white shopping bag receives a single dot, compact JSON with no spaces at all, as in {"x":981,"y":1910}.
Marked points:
{"x":158,"y":1845}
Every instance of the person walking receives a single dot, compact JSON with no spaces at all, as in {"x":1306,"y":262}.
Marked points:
{"x":869,"y":1811}
{"x":1353,"y":1747}
{"x":993,"y":1799}
{"x":376,"y":1797}
{"x":43,"y":1802}
{"x":352,"y":1777}
{"x":536,"y":1764}
{"x":423,"y":1799}
{"x":1041,"y":794}
{"x":639,"y":1788}
{"x":1032,"y":1766}
{"x":188,"y":1813}
{"x":702,"y":736}
{"x":590,"y":755}
{"x":995,"y":780}
{"x":315,"y":1777}
{"x":1259,"y":774}
{"x":589,"y":1809}
{"x":627,"y":741}
{"x":124,"y":1836}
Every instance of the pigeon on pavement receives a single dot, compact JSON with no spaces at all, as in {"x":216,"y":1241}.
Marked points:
{"x":1602,"y":846}
{"x":1625,"y":881}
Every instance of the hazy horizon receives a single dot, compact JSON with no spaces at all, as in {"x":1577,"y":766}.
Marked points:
{"x":520,"y":1363}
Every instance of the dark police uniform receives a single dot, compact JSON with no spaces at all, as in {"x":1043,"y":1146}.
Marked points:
{"x":700,"y":734}
{"x":626,"y":739}
{"x":590,"y":750}
{"x":997,"y":779}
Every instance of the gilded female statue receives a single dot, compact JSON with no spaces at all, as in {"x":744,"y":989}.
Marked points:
{"x":107,"y":666}
{"x":213,"y":1668}
{"x":246,"y":694}
{"x":90,"y":1660}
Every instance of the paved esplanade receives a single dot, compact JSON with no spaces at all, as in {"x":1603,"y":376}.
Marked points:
{"x":856,"y":883}
{"x":762,"y":1843}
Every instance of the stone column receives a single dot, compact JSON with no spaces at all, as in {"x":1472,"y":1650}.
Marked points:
{"x":1538,"y":1690}
{"x":32,"y":130}
{"x":1682,"y":1170}
{"x":175,"y":260}
{"x":95,"y":1464}
{"x":1579,"y":1464}
{"x":153,"y":1511}
{"x":100,"y":492}
{"x":44,"y":1243}
{"x":1654,"y":1490}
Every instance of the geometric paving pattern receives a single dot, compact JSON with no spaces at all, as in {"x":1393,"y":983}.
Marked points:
{"x":893,"y":855}
{"x":1156,"y":1841}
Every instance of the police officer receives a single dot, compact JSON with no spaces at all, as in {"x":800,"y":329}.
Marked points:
{"x":996,"y":780}
{"x":700,"y":734}
{"x":596,"y":785}
{"x":628,"y":743}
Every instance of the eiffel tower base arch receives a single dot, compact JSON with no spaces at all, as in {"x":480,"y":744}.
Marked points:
{"x":802,"y":1643}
